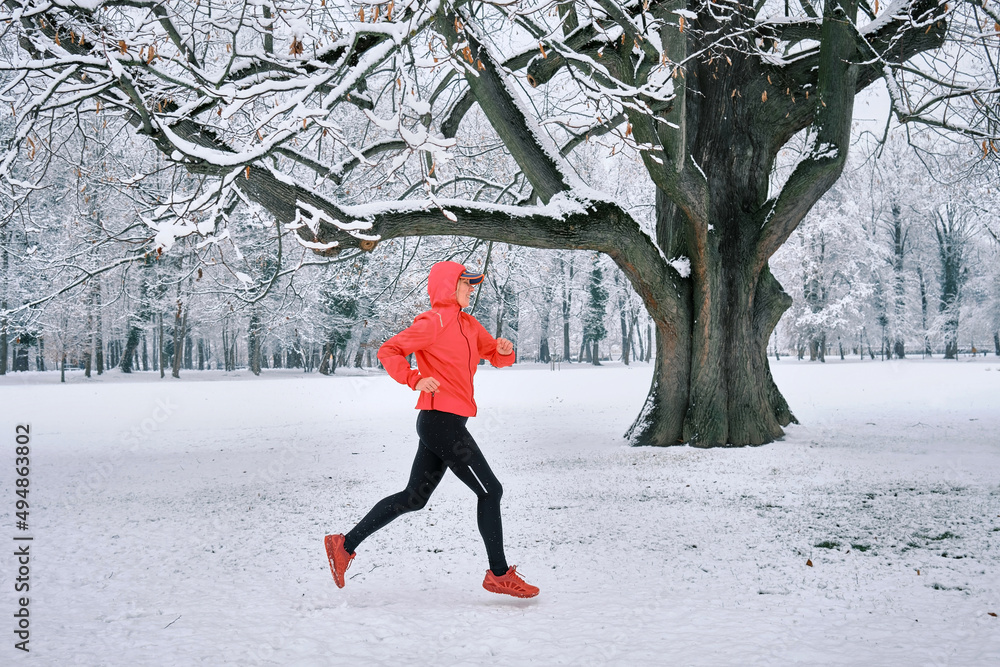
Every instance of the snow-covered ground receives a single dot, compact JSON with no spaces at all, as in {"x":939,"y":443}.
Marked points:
{"x":181,"y":522}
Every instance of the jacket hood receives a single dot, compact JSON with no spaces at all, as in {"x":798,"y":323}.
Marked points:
{"x":442,"y":283}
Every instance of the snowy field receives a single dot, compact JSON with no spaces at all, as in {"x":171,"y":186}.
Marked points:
{"x":181,"y":523}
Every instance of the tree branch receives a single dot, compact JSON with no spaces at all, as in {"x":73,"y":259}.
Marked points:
{"x":834,"y":107}
{"x":449,"y":127}
{"x":914,"y":26}
{"x":531,"y":148}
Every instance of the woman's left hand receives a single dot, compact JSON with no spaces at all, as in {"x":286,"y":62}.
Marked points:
{"x":504,"y":346}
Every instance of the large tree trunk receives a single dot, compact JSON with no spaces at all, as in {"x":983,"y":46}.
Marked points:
{"x":712,"y":385}
{"x":732,"y":398}
{"x":661,"y":420}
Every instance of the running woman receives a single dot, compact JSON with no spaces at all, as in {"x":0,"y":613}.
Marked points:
{"x":448,"y":344}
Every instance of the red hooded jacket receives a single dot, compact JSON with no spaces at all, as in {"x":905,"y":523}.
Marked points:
{"x":448,"y":344}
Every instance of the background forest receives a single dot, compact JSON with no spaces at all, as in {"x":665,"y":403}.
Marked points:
{"x":132,"y":235}
{"x":899,"y":258}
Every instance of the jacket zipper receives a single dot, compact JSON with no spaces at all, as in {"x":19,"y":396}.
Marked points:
{"x":442,"y":325}
{"x":467,"y":349}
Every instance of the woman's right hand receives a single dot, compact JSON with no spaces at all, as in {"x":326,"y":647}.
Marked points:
{"x":427,"y":384}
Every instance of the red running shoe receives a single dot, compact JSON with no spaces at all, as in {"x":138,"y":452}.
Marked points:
{"x":339,"y":559}
{"x":509,"y":584}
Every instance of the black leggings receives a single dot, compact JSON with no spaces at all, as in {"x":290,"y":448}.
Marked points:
{"x":444,"y":443}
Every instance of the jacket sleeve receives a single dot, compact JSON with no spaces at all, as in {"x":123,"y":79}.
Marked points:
{"x":487,"y":345}
{"x":394,"y":351}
